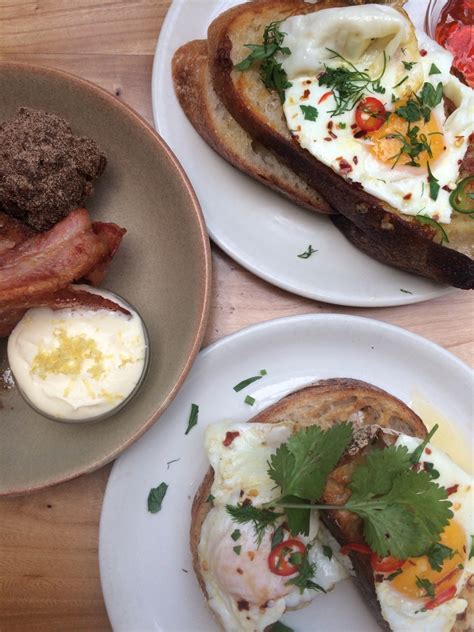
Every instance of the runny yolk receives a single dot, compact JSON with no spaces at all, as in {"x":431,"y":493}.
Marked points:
{"x":453,"y":537}
{"x":386,"y":149}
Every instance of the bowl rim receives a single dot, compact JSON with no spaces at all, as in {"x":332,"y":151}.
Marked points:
{"x":206,"y":266}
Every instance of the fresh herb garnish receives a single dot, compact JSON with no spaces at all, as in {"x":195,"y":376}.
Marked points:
{"x":280,"y":627}
{"x":250,"y":380}
{"x":427,"y":586}
{"x":405,"y":78}
{"x":408,"y":65}
{"x":424,"y":219}
{"x":434,"y":184}
{"x":429,"y":467}
{"x":392,"y":576}
{"x":349,"y":84}
{"x":308,"y":252}
{"x":327,"y":551}
{"x":193,"y":418}
{"x":249,"y":400}
{"x":278,"y":536}
{"x":405,"y":291}
{"x":272,"y":73}
{"x":434,"y":70}
{"x":437,"y":554}
{"x":310,"y":113}
{"x":210,"y":498}
{"x":304,"y":579}
{"x":413,"y":143}
{"x":170,"y":462}
{"x":404,"y":511}
{"x":237,"y":549}
{"x":471,"y":552}
{"x":260,"y":518}
{"x":155,"y":497}
{"x":235,"y":535}
{"x":416,"y":454}
{"x":419,"y":106}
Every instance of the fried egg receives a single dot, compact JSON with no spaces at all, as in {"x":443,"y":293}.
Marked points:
{"x":403,"y":598}
{"x":380,"y":41}
{"x":242,"y":591}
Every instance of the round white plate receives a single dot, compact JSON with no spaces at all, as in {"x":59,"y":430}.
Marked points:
{"x":145,"y":561}
{"x":255,"y":226}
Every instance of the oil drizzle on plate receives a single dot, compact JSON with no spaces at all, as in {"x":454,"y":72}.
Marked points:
{"x":447,"y":438}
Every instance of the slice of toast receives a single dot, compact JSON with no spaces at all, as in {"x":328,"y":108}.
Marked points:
{"x":417,"y":246}
{"x":206,"y":112}
{"x":325,"y":403}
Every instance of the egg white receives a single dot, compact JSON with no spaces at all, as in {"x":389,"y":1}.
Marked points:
{"x":240,"y":472}
{"x":362,"y":34}
{"x":403,"y":613}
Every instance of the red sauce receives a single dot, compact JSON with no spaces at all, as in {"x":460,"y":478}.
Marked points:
{"x":455,"y":31}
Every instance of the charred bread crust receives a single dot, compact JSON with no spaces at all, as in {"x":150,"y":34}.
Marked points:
{"x":206,"y":112}
{"x":325,"y":403}
{"x":413,"y":242}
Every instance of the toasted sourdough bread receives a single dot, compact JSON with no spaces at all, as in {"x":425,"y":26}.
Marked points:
{"x":326,"y":403}
{"x":206,"y":112}
{"x":389,"y":235}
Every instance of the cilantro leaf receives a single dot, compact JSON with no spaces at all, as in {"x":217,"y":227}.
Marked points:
{"x":434,"y":184}
{"x":298,"y":519}
{"x":327,"y":551}
{"x":410,"y":112}
{"x":193,"y":418}
{"x":310,"y":113}
{"x":155,"y":497}
{"x":280,"y":627}
{"x":375,"y":476}
{"x":278,"y":536}
{"x":427,"y":586}
{"x":304,"y":579}
{"x":434,"y":70}
{"x":302,"y":464}
{"x":260,"y":518}
{"x":437,"y":554}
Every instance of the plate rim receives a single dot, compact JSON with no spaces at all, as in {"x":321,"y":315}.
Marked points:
{"x":158,"y":70}
{"x":343,"y":319}
{"x":205,"y":256}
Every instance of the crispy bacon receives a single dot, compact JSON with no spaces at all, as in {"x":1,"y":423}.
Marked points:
{"x":50,"y":261}
{"x":37,"y":270}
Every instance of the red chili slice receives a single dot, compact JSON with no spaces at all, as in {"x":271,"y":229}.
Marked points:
{"x":443,"y":596}
{"x":385,"y":564}
{"x":357,"y":548}
{"x":229,"y":437}
{"x":325,"y":96}
{"x":279,"y":558}
{"x":370,"y":114}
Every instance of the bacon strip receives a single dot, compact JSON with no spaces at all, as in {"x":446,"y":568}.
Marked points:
{"x":50,"y":261}
{"x":12,"y":232}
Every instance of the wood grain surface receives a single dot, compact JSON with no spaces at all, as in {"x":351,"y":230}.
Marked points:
{"x":49,"y":574}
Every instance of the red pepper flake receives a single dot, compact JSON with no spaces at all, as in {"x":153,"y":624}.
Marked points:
{"x":332,"y":135}
{"x":307,"y":82}
{"x":353,"y":126}
{"x":330,"y":124}
{"x":246,"y":502}
{"x":325,"y":96}
{"x":328,"y":139}
{"x":229,"y":437}
{"x":428,"y":450}
{"x":446,"y":188}
{"x":344,"y":166}
{"x":242,"y":604}
{"x":378,"y":578}
{"x":360,"y":134}
{"x":240,"y":571}
{"x":407,"y":196}
{"x":423,"y":52}
{"x":355,"y":160}
{"x":452,"y":490}
{"x":306,"y":94}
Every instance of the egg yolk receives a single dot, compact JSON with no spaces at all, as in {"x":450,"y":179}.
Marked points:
{"x":453,"y":537}
{"x":387,"y":142}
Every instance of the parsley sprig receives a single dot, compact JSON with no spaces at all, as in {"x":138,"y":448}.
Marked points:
{"x":419,"y":106}
{"x":349,"y":84}
{"x":403,"y":510}
{"x":272,"y":72}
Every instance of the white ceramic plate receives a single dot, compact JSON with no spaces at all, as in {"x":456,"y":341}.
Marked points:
{"x":255,"y":226}
{"x":145,"y":562}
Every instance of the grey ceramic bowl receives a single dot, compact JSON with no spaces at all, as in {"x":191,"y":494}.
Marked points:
{"x":162,"y":267}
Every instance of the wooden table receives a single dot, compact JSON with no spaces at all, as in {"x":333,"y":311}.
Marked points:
{"x":49,"y":574}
